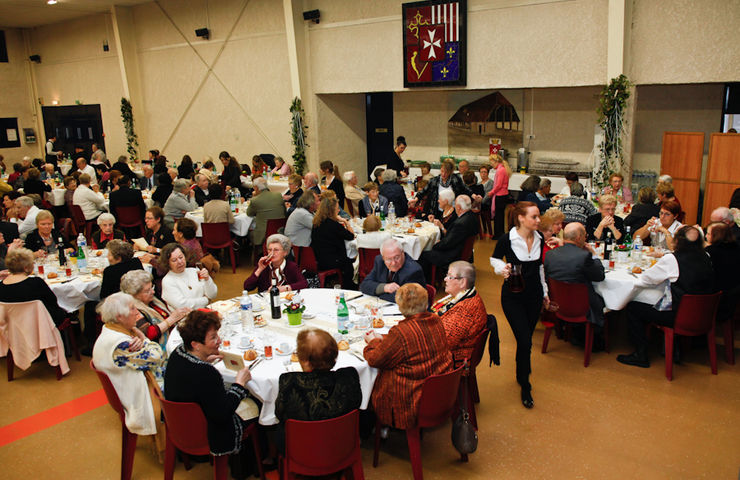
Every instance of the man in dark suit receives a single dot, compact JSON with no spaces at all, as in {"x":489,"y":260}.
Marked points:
{"x":126,"y":196}
{"x":449,"y":248}
{"x":122,"y":166}
{"x":392,"y":268}
{"x":574,"y":262}
{"x":202,"y":184}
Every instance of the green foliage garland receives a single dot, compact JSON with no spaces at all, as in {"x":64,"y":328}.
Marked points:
{"x":612,"y":104}
{"x":298,"y":132}
{"x":132,"y":141}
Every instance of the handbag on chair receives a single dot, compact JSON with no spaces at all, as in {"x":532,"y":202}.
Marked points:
{"x":464,"y":436}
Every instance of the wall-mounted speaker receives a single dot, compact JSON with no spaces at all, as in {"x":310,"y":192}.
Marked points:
{"x":313,"y":15}
{"x":203,"y":33}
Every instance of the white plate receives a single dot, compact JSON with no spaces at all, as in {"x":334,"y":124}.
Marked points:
{"x":297,"y":326}
{"x":308,"y":316}
{"x":283,"y":354}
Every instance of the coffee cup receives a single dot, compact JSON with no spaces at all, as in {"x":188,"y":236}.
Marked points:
{"x":245,"y":342}
{"x":284,"y":347}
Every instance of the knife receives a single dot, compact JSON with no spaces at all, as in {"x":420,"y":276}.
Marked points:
{"x":254,"y":364}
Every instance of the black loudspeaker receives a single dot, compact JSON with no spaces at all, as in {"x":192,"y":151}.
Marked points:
{"x":202,"y":32}
{"x":312,"y":15}
{"x":35,"y":58}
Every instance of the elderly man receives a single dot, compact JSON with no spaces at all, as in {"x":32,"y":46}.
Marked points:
{"x":449,"y":248}
{"x":27,"y":212}
{"x":172,"y":172}
{"x":147,"y":181}
{"x":122,"y":166}
{"x":392,"y":268}
{"x":98,"y":155}
{"x":83,"y":167}
{"x":202,"y":184}
{"x":462,"y":310}
{"x":463,"y":167}
{"x":575,"y":262}
{"x":311,"y":182}
{"x":723,"y":214}
{"x":265,"y":205}
{"x":179,"y":202}
{"x":90,"y":200}
{"x":352,"y":192}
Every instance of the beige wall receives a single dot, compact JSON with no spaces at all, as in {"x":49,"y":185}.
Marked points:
{"x":16,"y":99}
{"x":340,"y":133}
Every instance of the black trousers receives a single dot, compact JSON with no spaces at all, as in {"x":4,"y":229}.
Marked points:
{"x":638,"y":316}
{"x":522,"y":311}
{"x":498,"y":217}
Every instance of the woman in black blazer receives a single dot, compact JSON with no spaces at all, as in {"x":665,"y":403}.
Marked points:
{"x":327,"y":240}
{"x":332,"y":180}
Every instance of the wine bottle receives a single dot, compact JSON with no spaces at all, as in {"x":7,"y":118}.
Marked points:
{"x":275,"y":301}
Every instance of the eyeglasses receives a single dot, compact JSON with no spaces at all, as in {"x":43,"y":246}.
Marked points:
{"x":447,"y":277}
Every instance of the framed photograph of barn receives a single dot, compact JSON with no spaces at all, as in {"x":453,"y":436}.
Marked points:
{"x":434,"y":41}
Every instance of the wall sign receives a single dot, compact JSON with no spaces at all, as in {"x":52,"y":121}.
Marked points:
{"x":434,"y":41}
{"x":9,"y":137}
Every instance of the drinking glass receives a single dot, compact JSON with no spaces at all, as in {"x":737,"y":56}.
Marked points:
{"x":516,"y":281}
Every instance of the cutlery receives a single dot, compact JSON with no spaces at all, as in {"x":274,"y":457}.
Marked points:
{"x":254,"y":364}
{"x":357,"y":355}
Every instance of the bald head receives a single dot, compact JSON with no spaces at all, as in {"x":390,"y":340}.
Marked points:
{"x":310,"y":180}
{"x":575,"y":233}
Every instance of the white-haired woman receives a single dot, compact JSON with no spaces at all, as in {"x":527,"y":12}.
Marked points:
{"x":352,"y":192}
{"x":274,"y":268}
{"x":447,"y":206}
{"x":281,"y":168}
{"x":106,"y":232}
{"x":180,"y":202}
{"x":124,"y":353}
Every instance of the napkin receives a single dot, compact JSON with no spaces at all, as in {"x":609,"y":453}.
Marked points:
{"x":247,"y":409}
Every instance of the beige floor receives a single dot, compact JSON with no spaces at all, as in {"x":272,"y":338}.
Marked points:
{"x":604,"y":421}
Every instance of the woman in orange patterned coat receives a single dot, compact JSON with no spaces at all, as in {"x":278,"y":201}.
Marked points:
{"x":463,"y":313}
{"x":411,"y":351}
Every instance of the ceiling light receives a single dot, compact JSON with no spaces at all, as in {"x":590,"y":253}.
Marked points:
{"x":51,"y":2}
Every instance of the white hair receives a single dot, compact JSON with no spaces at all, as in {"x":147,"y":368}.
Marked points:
{"x":448,"y":195}
{"x":181,"y":185}
{"x":114,"y":306}
{"x":464,"y":202}
{"x":724,"y":214}
{"x":24,"y":201}
{"x":260,"y":184}
{"x":389,"y":175}
{"x":348,"y":175}
{"x":389,"y":243}
{"x":106,"y":217}
{"x":665,"y":179}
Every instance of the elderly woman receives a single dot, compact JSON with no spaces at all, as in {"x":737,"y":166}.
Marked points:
{"x":576,"y":207}
{"x":599,"y":224}
{"x":327,"y":240}
{"x":18,"y":286}
{"x":374,"y":203}
{"x":725,"y":254}
{"x":191,"y":377}
{"x":106,"y":232}
{"x":394,"y":193}
{"x":299,"y":225}
{"x":156,"y":235}
{"x":410,"y":352}
{"x":318,"y":392}
{"x":352,"y":192}
{"x":293,"y":193}
{"x":643,"y":210}
{"x":660,"y":231}
{"x":45,"y":238}
{"x":180,"y":202}
{"x":275,"y":269}
{"x":547,"y":229}
{"x":528,"y":189}
{"x":281,"y":168}
{"x":615,"y":188}
{"x":123,"y":353}
{"x":184,"y":233}
{"x":543,"y":201}
{"x":426,"y":171}
{"x":446,"y":180}
{"x":157,"y":318}
{"x":463,"y":313}
{"x":33,"y":183}
{"x":121,"y":260}
{"x":447,"y":211}
{"x":183,"y":286}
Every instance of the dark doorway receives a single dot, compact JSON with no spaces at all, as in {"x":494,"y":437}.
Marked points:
{"x":379,"y":119}
{"x":74,"y":125}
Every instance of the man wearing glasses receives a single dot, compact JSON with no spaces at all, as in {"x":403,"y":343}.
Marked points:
{"x":392,"y":268}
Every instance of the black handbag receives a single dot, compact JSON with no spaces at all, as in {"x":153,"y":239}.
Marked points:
{"x":464,"y":436}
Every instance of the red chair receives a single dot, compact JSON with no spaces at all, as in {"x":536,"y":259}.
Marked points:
{"x":307,"y":261}
{"x":67,"y":228}
{"x":436,"y":405}
{"x":218,"y":236}
{"x":323,"y":447}
{"x":475,"y":358}
{"x":187,"y":431}
{"x":367,"y":261}
{"x":350,"y":208}
{"x":431,"y":293}
{"x":695,"y":316}
{"x":130,"y":217}
{"x":81,"y":224}
{"x":273,"y":226}
{"x":128,"y":442}
{"x":572,"y":299}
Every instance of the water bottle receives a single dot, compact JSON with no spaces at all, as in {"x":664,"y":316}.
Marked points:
{"x":382,"y":219}
{"x":237,"y":197}
{"x":81,"y":257}
{"x":232,"y":201}
{"x":245,"y":311}
{"x":342,"y":315}
{"x":637,"y":249}
{"x":392,"y":213}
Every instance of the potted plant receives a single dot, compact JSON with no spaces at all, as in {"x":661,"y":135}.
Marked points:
{"x":294,"y":310}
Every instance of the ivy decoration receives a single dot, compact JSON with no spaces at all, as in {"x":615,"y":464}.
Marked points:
{"x":612,"y":104}
{"x":298,"y":132}
{"x":132,"y":141}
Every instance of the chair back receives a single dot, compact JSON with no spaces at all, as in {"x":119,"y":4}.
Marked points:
{"x":480,"y":346}
{"x":186,"y":426}
{"x":438,"y":398}
{"x":78,"y":217}
{"x":216,"y":235}
{"x":323,"y":446}
{"x":350,"y":208}
{"x":129,"y":216}
{"x":367,"y":261}
{"x":696,"y":314}
{"x":110,"y":393}
{"x":431,"y":293}
{"x":307,"y":259}
{"x":67,"y":228}
{"x":572,"y":299}
{"x":467,"y":250}
{"x":274,"y":225}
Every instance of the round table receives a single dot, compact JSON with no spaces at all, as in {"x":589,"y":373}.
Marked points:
{"x":423,"y":238}
{"x":240,"y":227}
{"x":618,"y":289}
{"x":320,"y":303}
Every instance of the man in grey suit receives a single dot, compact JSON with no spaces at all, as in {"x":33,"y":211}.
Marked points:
{"x":392,"y":269}
{"x":575,"y":262}
{"x":265,"y":205}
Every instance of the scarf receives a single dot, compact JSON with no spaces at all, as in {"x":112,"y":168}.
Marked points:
{"x":277,"y":275}
{"x":442,"y":306}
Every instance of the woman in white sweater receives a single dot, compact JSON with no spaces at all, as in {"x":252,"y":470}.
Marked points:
{"x":184,"y":287}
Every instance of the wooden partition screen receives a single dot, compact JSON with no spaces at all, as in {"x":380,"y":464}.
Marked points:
{"x":681,"y":159}
{"x":723,"y":171}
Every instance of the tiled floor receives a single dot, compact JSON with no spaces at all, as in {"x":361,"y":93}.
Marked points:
{"x":604,"y":421}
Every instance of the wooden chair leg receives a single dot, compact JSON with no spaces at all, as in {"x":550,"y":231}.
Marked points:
{"x":376,"y":454}
{"x":668,"y":332}
{"x":233,"y":260}
{"x":712,"y":344}
{"x":606,"y":334}
{"x":221,"y":467}
{"x":729,"y":338}
{"x":546,"y":339}
{"x":414,"y":441}
{"x":589,"y":344}
{"x":128,"y":448}
{"x":252,"y":432}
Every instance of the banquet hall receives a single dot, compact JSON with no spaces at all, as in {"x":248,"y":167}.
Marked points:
{"x":210,"y":76}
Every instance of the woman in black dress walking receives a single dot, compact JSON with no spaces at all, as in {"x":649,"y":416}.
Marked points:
{"x":524,"y":290}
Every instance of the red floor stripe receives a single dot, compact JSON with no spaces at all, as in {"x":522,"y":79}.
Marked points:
{"x":53,"y":416}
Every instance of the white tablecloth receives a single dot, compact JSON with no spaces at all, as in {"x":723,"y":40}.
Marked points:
{"x":240,"y":227}
{"x":56,"y":198}
{"x":265,"y":376}
{"x":618,"y":289}
{"x":423,"y":238}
